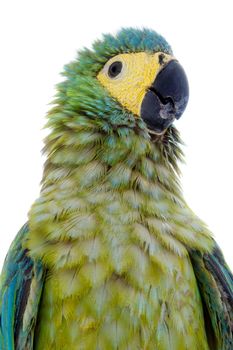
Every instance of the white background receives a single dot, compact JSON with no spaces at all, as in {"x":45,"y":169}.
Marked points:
{"x":39,"y":37}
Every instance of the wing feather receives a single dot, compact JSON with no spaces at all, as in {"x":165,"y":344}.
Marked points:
{"x":21,"y":286}
{"x":215,"y":283}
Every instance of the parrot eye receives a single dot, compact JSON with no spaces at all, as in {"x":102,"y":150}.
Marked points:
{"x":114,"y":69}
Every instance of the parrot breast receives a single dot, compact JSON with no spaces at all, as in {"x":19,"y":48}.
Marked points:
{"x":113,"y":232}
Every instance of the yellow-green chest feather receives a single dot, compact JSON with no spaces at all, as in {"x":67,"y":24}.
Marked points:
{"x":113,"y":305}
{"x":114,"y":239}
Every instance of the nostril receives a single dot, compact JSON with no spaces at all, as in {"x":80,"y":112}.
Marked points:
{"x":161,"y":59}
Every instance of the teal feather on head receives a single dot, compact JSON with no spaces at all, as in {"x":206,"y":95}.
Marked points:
{"x":89,"y":62}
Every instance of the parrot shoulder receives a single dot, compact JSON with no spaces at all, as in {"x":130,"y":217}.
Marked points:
{"x":215,"y":283}
{"x":21,"y":286}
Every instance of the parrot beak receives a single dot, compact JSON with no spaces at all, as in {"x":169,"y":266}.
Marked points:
{"x":166,"y":99}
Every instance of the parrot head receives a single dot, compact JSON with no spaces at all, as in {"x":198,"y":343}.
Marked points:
{"x":127,"y":78}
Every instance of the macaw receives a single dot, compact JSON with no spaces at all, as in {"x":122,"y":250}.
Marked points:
{"x":112,"y":257}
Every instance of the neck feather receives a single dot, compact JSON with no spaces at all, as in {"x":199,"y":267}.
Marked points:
{"x":120,"y":185}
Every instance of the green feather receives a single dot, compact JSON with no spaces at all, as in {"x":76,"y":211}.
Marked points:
{"x":20,"y":291}
{"x":117,"y":259}
{"x":215,"y":282}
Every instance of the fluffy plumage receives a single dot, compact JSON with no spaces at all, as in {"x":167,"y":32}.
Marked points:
{"x":112,"y":257}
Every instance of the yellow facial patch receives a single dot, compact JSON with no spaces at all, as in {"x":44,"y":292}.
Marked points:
{"x":137,"y":73}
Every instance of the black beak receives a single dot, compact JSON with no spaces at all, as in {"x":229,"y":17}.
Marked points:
{"x":167,"y":98}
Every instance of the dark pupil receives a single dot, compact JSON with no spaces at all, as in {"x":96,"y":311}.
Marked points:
{"x":114,"y":69}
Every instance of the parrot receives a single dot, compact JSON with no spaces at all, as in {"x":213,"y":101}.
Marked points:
{"x":111,"y":256}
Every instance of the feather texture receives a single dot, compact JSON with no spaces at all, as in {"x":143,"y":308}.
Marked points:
{"x":215,"y":282}
{"x":20,"y":291}
{"x":112,"y":257}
